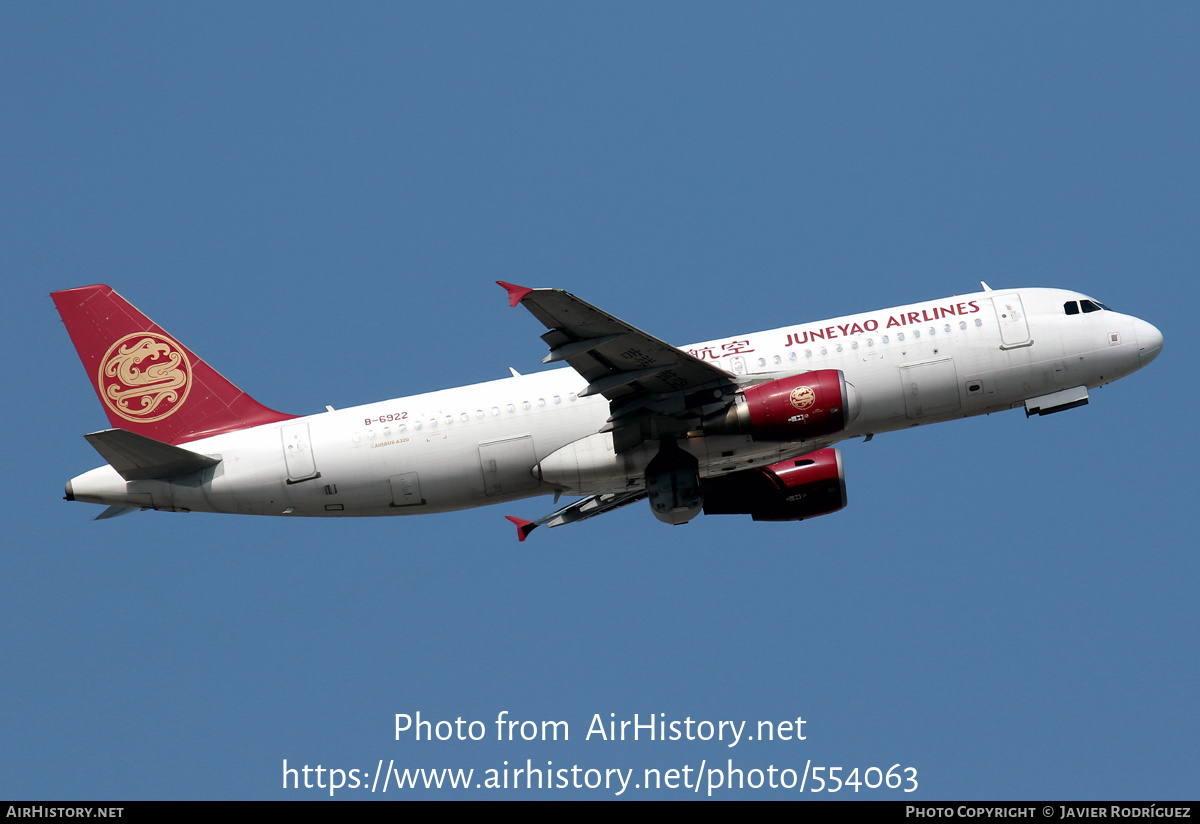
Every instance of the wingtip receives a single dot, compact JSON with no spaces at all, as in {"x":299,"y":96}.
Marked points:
{"x":523,"y":526}
{"x":515,"y":294}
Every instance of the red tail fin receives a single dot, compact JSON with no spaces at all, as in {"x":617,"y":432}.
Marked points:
{"x":147,"y":381}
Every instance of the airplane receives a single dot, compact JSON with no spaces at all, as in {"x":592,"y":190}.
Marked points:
{"x":741,"y":425}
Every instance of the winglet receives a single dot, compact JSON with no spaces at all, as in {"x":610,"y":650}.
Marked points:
{"x":515,"y":294}
{"x":524,"y":527}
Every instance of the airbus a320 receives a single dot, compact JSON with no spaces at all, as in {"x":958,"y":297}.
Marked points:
{"x":740,"y":425}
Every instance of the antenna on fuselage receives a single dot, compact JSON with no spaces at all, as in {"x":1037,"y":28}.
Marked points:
{"x":986,"y":288}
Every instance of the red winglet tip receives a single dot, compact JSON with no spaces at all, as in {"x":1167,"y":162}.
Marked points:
{"x":524,"y":527}
{"x":515,"y":294}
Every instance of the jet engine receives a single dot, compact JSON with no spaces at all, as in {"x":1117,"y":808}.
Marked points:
{"x":673,"y":485}
{"x":797,"y":408}
{"x":791,"y":490}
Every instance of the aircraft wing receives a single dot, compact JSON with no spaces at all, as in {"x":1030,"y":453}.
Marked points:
{"x":580,"y":510}
{"x":653,"y":388}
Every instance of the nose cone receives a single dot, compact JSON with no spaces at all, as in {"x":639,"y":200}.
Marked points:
{"x":1149,"y":339}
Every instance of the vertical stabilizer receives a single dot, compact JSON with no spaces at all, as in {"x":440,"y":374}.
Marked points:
{"x":147,"y":381}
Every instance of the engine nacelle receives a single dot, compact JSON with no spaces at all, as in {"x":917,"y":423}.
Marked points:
{"x":673,"y":485}
{"x":797,"y":408}
{"x":791,"y":490}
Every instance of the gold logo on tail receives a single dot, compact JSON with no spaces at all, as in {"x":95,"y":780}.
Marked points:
{"x":144,"y":377}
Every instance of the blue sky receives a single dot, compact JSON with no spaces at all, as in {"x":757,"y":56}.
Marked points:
{"x":317,"y":198}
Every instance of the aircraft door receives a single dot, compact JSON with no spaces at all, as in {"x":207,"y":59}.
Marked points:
{"x":508,"y":465}
{"x":297,"y":453}
{"x":930,"y":388}
{"x":1014,"y":328}
{"x":406,"y":490}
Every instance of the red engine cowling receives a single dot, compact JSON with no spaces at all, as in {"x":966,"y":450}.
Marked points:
{"x":797,"y":408}
{"x":791,"y":490}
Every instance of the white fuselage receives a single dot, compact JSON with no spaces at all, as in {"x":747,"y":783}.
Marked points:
{"x":533,"y":434}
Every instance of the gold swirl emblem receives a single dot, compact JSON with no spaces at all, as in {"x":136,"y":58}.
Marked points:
{"x":144,"y":377}
{"x":803,"y":397}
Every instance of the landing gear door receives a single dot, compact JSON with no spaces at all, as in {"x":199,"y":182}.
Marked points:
{"x":1014,"y":328}
{"x":297,"y":453}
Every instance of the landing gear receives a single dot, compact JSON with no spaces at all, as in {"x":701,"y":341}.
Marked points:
{"x":673,"y":484}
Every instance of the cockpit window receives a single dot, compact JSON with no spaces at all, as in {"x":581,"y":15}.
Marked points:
{"x":1072,"y":308}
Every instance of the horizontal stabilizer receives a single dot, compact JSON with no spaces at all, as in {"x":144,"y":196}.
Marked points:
{"x":139,"y":458}
{"x":113,"y":511}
